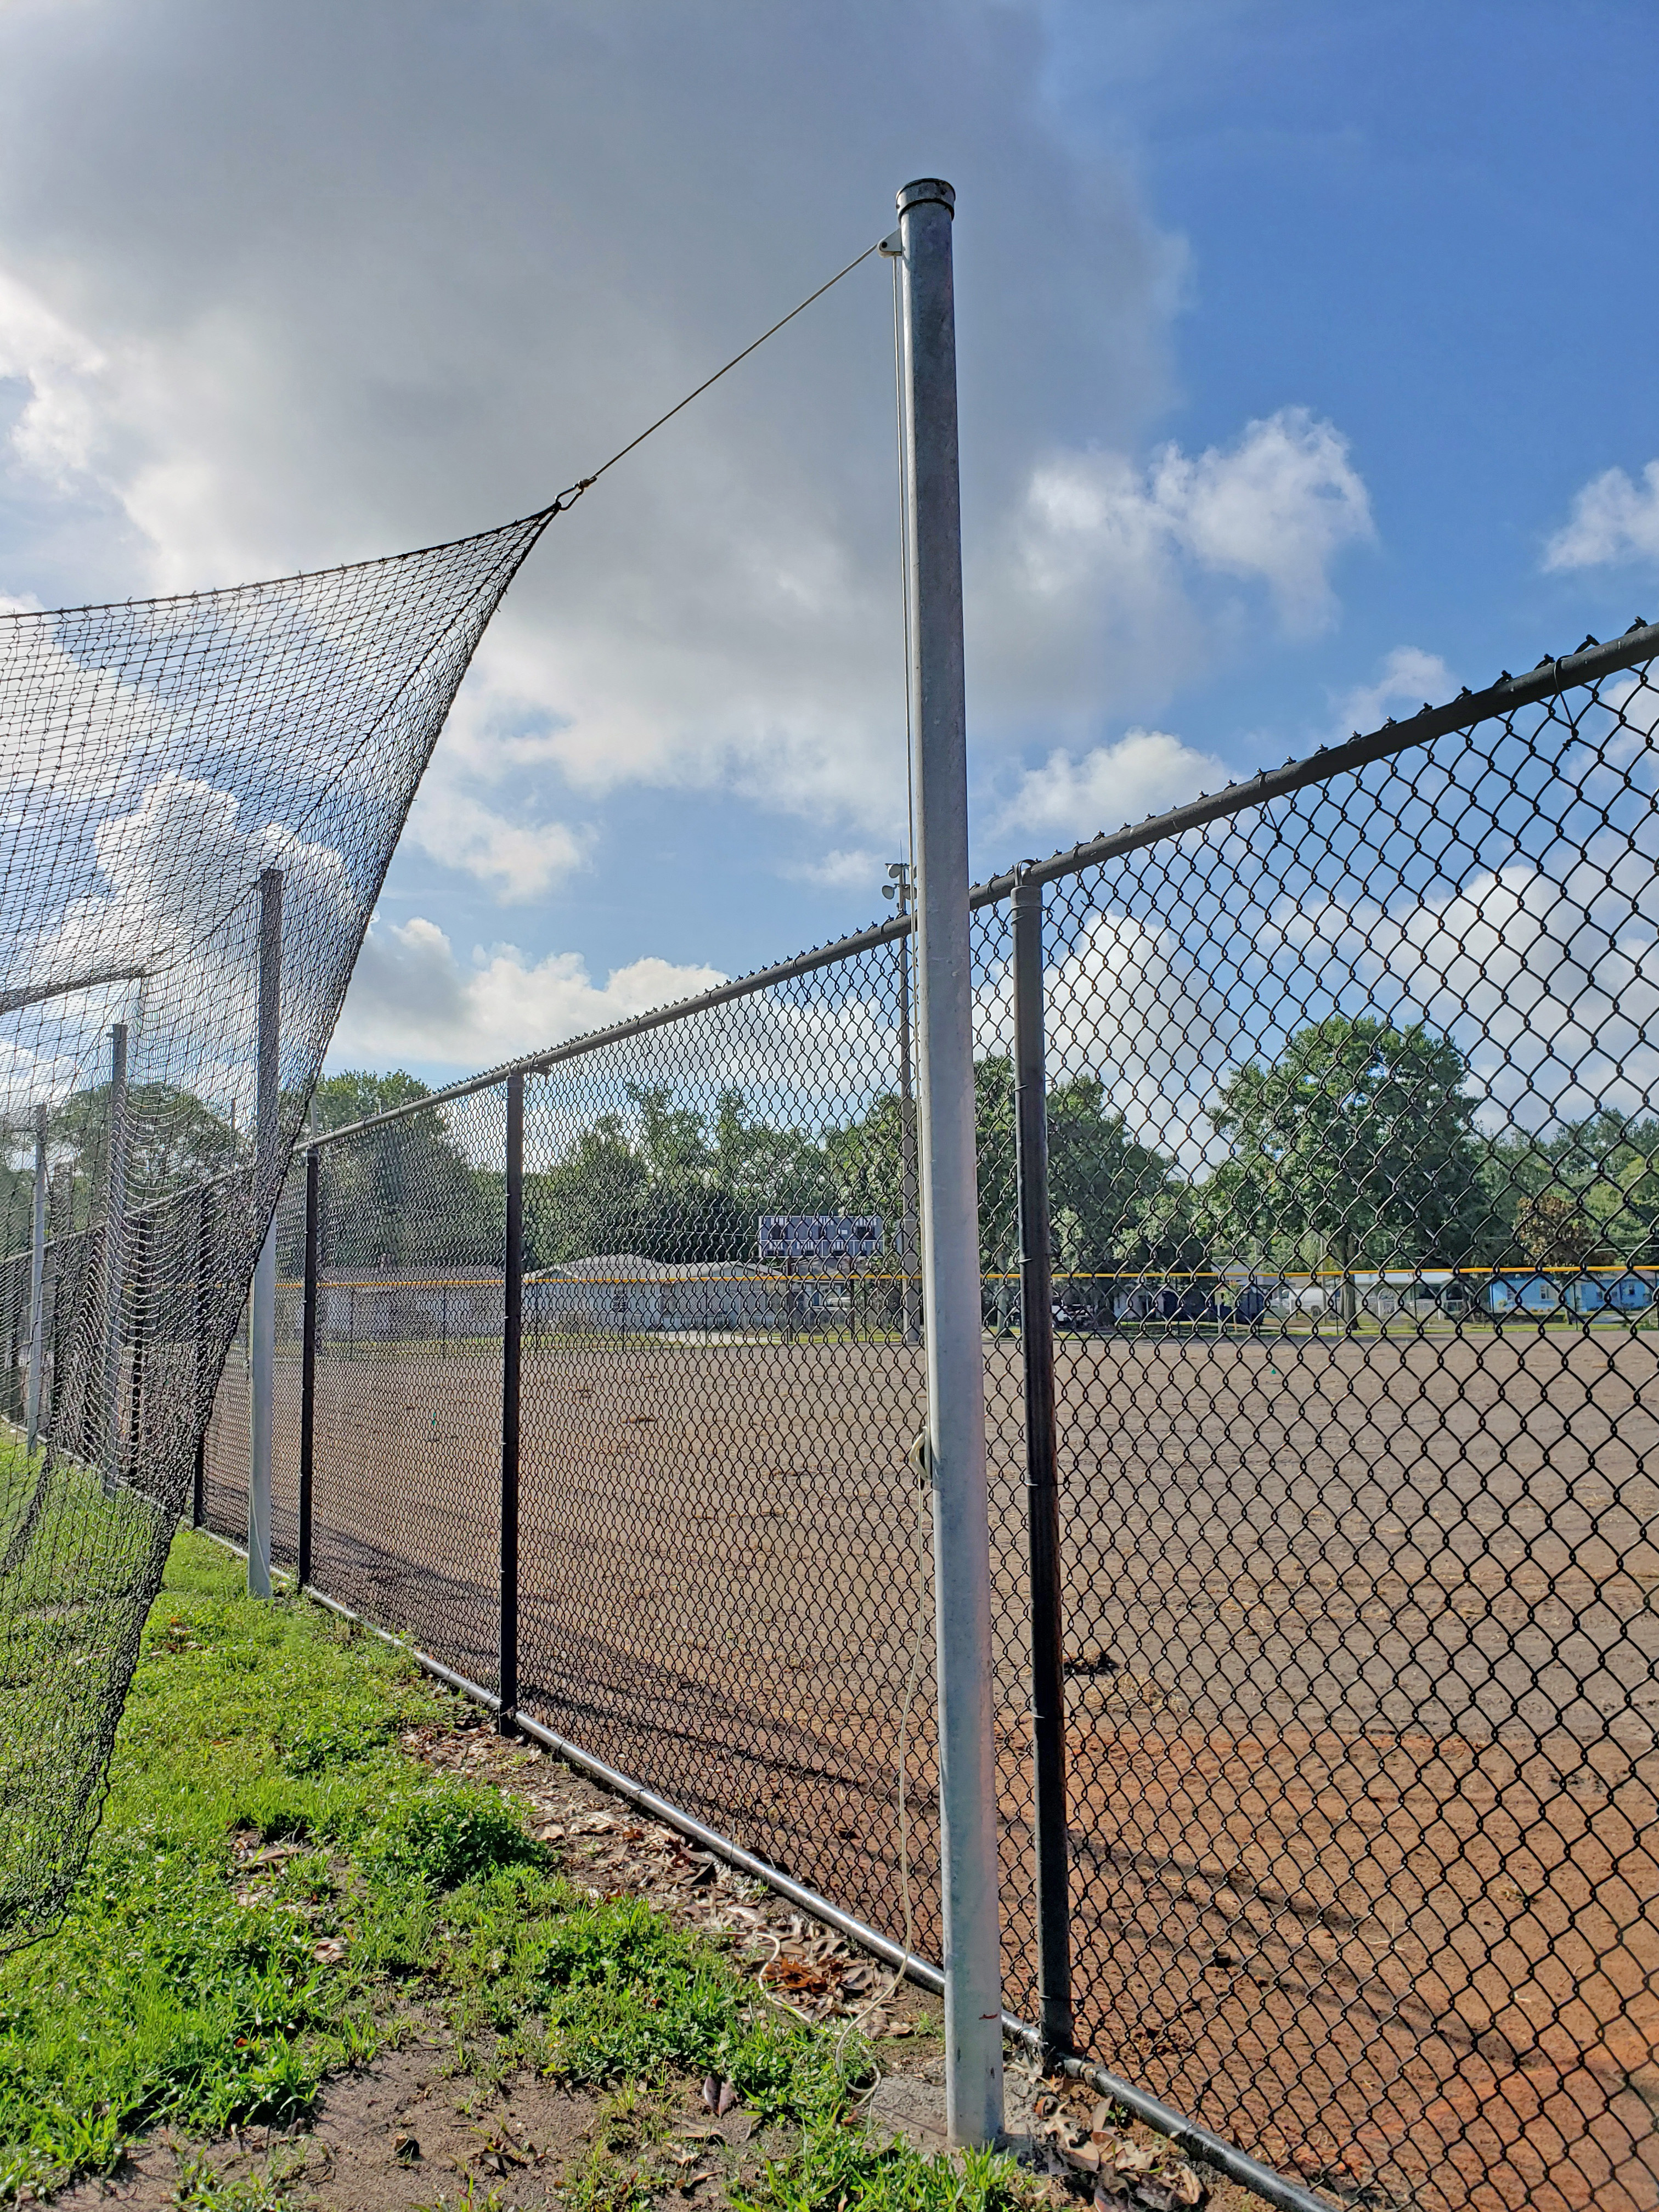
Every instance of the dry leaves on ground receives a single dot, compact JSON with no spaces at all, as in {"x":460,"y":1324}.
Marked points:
{"x":1129,"y":2176}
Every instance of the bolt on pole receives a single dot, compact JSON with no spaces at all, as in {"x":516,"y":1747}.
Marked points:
{"x":267,"y":1166}
{"x":114,"y":1244}
{"x":950,"y":1184}
{"x":37,"y":1283}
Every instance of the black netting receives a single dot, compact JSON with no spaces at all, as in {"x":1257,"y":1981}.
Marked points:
{"x":158,"y":758}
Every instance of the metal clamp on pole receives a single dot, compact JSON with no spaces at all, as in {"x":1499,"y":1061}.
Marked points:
{"x":950,"y":1183}
{"x":267,"y":1173}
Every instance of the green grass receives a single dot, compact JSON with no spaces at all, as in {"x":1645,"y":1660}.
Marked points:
{"x":260,"y":1809}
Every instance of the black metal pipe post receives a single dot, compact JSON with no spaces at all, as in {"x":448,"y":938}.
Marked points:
{"x":136,"y":1288}
{"x":198,"y":1345}
{"x":511,"y":1363}
{"x":309,"y":1357}
{"x":1054,"y":1904}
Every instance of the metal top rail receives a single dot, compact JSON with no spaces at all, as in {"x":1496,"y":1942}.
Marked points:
{"x":1593,"y":660}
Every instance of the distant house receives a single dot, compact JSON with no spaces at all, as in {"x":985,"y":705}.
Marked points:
{"x":625,"y":1290}
{"x":401,"y":1304}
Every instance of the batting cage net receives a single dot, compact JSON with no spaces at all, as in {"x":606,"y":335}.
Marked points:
{"x":177,"y":777}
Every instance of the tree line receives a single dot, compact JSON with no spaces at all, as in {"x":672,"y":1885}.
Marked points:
{"x":1356,"y":1148}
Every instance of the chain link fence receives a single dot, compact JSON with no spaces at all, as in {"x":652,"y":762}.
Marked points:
{"x":1319,"y":1182}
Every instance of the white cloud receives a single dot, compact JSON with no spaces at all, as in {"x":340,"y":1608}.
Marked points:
{"x":265,"y":369}
{"x":1410,"y":678}
{"x":1142,"y":773}
{"x":523,"y":859}
{"x":1548,"y":984}
{"x":1612,"y":519}
{"x":57,"y":433}
{"x":1130,"y":1002}
{"x":1101,"y":585}
{"x":841,"y":869}
{"x":411,"y":1000}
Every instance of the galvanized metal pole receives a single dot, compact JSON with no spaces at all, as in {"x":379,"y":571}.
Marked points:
{"x":949,"y":1191}
{"x":37,"y":1283}
{"x":512,"y":1365}
{"x":1036,"y":1338}
{"x":267,"y":1170}
{"x":114,"y":1254}
{"x":308,"y":1357}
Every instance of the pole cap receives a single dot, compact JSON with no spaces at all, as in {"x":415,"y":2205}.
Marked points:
{"x":923,"y":189}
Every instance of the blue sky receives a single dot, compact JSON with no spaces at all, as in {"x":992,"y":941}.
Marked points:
{"x":1297,"y":345}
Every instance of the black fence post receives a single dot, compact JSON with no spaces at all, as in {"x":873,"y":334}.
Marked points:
{"x":511,"y":1363}
{"x":198,"y":1338}
{"x":308,"y":1358}
{"x":1054,"y":1904}
{"x":138,"y":1263}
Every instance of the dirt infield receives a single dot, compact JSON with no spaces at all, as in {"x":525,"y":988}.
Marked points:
{"x":1361,"y":1639}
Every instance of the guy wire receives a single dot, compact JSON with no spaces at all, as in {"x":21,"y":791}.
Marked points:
{"x":569,"y":497}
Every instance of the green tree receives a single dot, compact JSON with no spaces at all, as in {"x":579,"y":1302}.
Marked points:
{"x":173,"y":1141}
{"x":679,"y":1186}
{"x":405,"y":1194}
{"x":1587,"y":1189}
{"x":1113,"y":1202}
{"x":1359,"y":1141}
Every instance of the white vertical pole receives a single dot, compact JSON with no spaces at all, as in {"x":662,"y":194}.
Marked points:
{"x":950,"y":1183}
{"x":37,"y":1281}
{"x":261,"y":1309}
{"x":115,"y":1231}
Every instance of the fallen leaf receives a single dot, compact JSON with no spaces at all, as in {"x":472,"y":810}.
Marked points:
{"x":329,"y":1951}
{"x":796,"y":1978}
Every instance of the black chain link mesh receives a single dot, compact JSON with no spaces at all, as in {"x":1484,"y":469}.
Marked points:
{"x":1353,"y":1166}
{"x":723,"y":1580}
{"x":1355,"y":1178}
{"x":409,"y":1378}
{"x":157,"y":757}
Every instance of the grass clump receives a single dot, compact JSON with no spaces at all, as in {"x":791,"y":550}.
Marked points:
{"x":277,"y":1885}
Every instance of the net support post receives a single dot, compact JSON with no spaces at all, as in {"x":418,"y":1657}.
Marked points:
{"x":1036,"y":1336}
{"x":952,"y":1319}
{"x":141,"y":1228}
{"x":308,"y":1358}
{"x":511,"y":1363}
{"x":37,"y":1286}
{"x":262,"y":1307}
{"x":114,"y":1255}
{"x":202,"y":1405}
